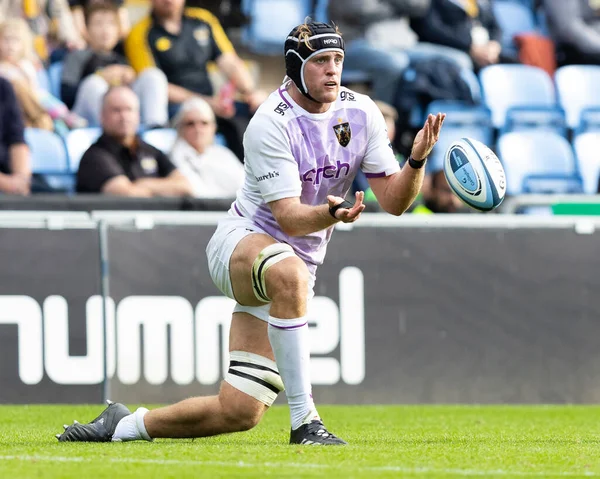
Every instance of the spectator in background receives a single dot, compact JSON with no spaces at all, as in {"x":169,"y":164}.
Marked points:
{"x":361,"y":183}
{"x":15,"y":163}
{"x":87,"y":74}
{"x":229,"y":12}
{"x":50,"y":21}
{"x":379,"y":40}
{"x":575,"y":28}
{"x":182,"y":43}
{"x":438,"y":197}
{"x":18,"y":65}
{"x":79,"y":9}
{"x":213,"y":170}
{"x":467,"y":25}
{"x":120,"y":163}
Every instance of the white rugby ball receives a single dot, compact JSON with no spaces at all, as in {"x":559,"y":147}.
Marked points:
{"x":475,"y":174}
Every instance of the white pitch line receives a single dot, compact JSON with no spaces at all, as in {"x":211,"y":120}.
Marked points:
{"x":242,"y":464}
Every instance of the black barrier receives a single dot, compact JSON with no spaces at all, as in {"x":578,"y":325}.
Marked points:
{"x":92,"y":202}
{"x":401,"y":315}
{"x":449,"y":316}
{"x":46,"y":281}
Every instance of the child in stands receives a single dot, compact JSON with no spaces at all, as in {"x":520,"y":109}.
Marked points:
{"x":19,"y":65}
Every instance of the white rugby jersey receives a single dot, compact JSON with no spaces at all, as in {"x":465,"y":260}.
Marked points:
{"x":290,"y":152}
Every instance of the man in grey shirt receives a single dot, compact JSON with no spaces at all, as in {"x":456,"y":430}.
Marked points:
{"x":381,"y":42}
{"x":575,"y":28}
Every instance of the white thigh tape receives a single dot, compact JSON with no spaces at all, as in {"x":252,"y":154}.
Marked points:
{"x":269,"y":256}
{"x":254,"y":375}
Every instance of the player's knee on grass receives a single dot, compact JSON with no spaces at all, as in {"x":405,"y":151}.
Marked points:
{"x":288,"y":281}
{"x":241,"y":411}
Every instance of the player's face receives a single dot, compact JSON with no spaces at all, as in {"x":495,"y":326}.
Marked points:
{"x":322,"y":74}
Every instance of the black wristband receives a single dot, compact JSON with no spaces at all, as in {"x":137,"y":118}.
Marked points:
{"x":343,"y":204}
{"x":417,"y":165}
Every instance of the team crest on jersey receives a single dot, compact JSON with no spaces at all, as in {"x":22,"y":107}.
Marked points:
{"x":202,"y":35}
{"x":343,"y":133}
{"x":163,"y":44}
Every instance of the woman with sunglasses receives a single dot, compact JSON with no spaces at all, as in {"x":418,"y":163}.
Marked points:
{"x":213,"y":170}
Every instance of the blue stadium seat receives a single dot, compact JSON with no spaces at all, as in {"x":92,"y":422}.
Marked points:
{"x":587,"y":147}
{"x":270,"y":23}
{"x":525,"y":3}
{"x":461,"y":114}
{"x":161,"y":138}
{"x":49,"y":158}
{"x":77,"y":142}
{"x":538,"y":161}
{"x":54,"y":75}
{"x":320,"y":13}
{"x":521,"y":97}
{"x":514,"y":18}
{"x":43,"y":78}
{"x":578,"y":88}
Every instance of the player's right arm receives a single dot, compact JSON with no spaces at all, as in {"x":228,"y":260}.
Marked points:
{"x":268,"y":156}
{"x":297,"y":219}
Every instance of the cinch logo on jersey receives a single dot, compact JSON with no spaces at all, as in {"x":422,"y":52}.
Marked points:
{"x":315,"y":175}
{"x":268,"y":176}
{"x":187,"y":342}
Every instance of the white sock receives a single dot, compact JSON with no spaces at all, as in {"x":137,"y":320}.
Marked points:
{"x":132,"y":427}
{"x":289,"y":340}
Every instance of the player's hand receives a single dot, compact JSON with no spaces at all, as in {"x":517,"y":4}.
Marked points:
{"x":427,"y":136}
{"x":348,"y":215}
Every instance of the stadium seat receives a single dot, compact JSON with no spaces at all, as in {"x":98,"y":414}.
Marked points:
{"x":270,"y":23}
{"x":526,"y":3}
{"x":587,"y":148}
{"x":320,"y":13}
{"x":77,"y":142}
{"x":161,"y":138}
{"x":579,"y":94}
{"x":460,"y":114}
{"x":55,"y":75}
{"x":514,"y":17}
{"x":43,"y":78}
{"x":521,"y":97}
{"x":538,"y":161}
{"x":49,"y":158}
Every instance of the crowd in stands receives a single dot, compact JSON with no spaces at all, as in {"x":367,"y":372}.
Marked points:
{"x":140,"y":94}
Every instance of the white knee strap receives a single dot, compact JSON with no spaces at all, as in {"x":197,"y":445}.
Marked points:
{"x":254,"y":375}
{"x":269,"y":256}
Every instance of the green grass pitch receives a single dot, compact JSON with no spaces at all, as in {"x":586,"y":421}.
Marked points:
{"x":385,"y":441}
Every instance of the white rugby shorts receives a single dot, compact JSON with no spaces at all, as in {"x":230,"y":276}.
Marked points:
{"x":230,"y":231}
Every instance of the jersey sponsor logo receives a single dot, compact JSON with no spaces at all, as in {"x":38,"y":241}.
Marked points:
{"x":347,"y":96}
{"x":163,"y":44}
{"x":270,"y":175}
{"x":282,"y":108}
{"x":315,"y":175}
{"x":343,"y":133}
{"x":202,"y":35}
{"x":149,"y":165}
{"x":188,"y":341}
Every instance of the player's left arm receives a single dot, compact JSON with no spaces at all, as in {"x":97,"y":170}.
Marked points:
{"x":396,"y":192}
